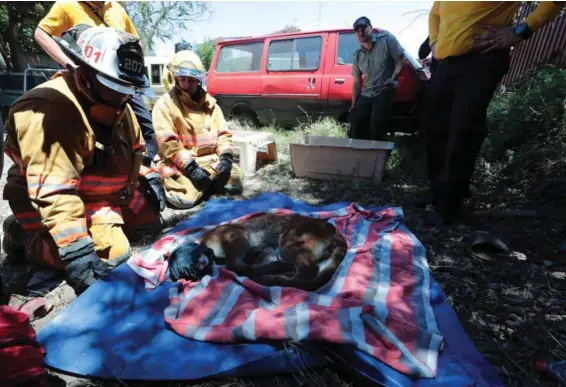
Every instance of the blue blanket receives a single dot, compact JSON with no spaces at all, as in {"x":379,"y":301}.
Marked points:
{"x":116,"y":329}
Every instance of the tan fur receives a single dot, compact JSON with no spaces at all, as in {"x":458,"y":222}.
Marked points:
{"x":303,"y":243}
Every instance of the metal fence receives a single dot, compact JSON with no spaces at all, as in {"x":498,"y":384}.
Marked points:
{"x":546,"y":47}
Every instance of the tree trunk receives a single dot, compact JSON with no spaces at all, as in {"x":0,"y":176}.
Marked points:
{"x":15,"y":46}
{"x":4,"y":59}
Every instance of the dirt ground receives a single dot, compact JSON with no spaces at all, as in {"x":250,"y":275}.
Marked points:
{"x":513,"y":309}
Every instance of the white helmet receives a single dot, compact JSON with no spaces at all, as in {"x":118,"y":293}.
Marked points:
{"x":116,"y":56}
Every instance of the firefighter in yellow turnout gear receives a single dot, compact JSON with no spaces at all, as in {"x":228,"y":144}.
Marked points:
{"x":195,"y":145}
{"x":80,"y":185}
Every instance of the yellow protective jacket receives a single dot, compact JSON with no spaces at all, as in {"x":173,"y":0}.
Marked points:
{"x":453,"y":25}
{"x":186,"y":129}
{"x":52,"y":144}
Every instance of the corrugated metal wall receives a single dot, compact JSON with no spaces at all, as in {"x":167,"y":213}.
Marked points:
{"x":546,"y":47}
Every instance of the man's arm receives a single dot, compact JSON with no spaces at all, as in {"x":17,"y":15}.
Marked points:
{"x":502,"y":38}
{"x":169,"y":142}
{"x":356,"y":90}
{"x":53,"y":24}
{"x":52,"y":48}
{"x":357,"y":86}
{"x":398,"y":55}
{"x":53,"y":163}
{"x":399,"y":63}
{"x":543,"y":14}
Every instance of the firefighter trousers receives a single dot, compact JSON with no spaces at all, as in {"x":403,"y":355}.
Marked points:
{"x":110,"y":227}
{"x":454,"y":120}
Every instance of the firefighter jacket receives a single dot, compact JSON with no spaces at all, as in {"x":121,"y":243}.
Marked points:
{"x":71,"y":170}
{"x":186,"y":129}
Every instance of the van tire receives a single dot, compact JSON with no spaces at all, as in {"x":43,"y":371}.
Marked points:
{"x":245,"y":117}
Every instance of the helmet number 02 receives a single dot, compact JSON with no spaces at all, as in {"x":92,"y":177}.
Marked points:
{"x":91,"y":51}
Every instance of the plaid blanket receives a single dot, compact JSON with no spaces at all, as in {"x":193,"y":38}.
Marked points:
{"x":377,"y":301}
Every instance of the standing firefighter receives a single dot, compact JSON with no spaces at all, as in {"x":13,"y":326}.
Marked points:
{"x":80,"y":181}
{"x":471,"y":40}
{"x":195,"y":145}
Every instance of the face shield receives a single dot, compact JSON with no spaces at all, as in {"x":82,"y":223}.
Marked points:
{"x":123,"y":88}
{"x":182,"y":71}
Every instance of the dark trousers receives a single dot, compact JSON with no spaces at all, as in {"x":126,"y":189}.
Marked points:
{"x":454,"y":120}
{"x":144,"y":119}
{"x":368,"y":118}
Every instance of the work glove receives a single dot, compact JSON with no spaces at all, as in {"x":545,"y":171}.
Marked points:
{"x":83,"y":266}
{"x":151,"y":185}
{"x":199,"y":177}
{"x":224,"y":168}
{"x":190,"y":261}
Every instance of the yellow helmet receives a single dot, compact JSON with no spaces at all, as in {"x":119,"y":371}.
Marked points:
{"x":186,"y":64}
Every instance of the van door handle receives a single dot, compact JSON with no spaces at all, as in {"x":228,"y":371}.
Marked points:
{"x":339,"y":81}
{"x":311,"y":83}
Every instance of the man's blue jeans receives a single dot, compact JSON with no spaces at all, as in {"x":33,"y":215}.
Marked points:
{"x":144,"y":119}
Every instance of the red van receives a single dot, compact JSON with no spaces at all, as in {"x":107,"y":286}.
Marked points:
{"x":285,"y":78}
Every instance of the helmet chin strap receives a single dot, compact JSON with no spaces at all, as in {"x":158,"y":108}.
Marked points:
{"x":98,"y":111}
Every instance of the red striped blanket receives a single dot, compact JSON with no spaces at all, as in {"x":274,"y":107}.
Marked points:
{"x":377,"y":301}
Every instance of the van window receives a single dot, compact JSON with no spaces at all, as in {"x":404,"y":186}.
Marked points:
{"x":348,"y":44}
{"x":294,"y":54}
{"x":155,"y":74}
{"x":240,"y":58}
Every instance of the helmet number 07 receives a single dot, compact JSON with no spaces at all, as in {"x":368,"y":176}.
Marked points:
{"x":91,"y":51}
{"x":133,"y":65}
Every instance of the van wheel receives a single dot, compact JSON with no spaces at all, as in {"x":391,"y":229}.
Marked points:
{"x":245,"y":118}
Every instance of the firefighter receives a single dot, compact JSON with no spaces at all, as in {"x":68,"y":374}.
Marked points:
{"x":472,"y":41}
{"x":66,"y":14}
{"x":195,"y":145}
{"x":81,"y":184}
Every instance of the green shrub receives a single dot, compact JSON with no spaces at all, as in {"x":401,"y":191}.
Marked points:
{"x":527,"y":124}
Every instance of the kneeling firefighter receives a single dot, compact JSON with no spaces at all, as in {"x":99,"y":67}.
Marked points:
{"x":82,"y":185}
{"x":195,"y":145}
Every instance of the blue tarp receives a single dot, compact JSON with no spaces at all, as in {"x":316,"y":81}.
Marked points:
{"x":116,"y":329}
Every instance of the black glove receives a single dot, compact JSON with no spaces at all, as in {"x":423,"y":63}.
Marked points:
{"x":151,"y":185}
{"x":190,"y":261}
{"x":199,"y":177}
{"x":83,"y":265}
{"x":224,"y":168}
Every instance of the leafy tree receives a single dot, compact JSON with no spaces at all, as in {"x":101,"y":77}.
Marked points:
{"x":159,"y":20}
{"x":205,"y":51}
{"x":18,"y":21}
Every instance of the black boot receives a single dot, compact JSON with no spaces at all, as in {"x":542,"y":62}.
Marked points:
{"x":14,"y":241}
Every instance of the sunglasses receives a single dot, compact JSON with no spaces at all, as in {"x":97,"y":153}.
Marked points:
{"x":361,"y":27}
